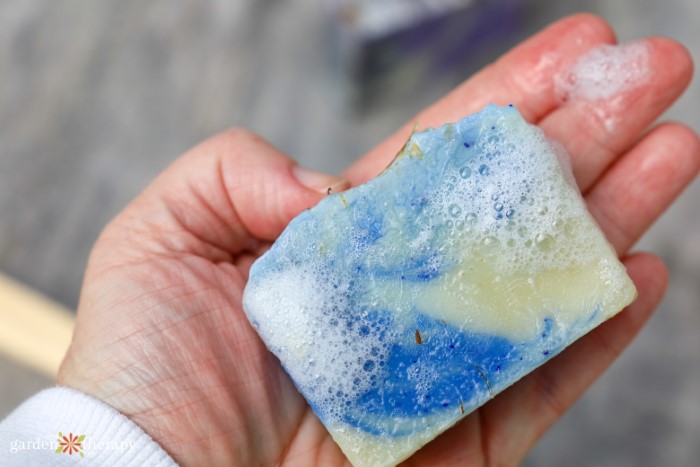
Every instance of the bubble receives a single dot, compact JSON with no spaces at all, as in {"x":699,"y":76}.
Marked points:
{"x":569,"y":229}
{"x":455,"y":210}
{"x":465,"y":172}
{"x":471,"y":218}
{"x":510,"y":213}
{"x":522,"y":231}
{"x":498,"y":207}
{"x":484,"y":169}
{"x":490,"y":244}
{"x":545,"y":242}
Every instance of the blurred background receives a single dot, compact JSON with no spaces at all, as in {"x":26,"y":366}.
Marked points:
{"x":96,"y":98}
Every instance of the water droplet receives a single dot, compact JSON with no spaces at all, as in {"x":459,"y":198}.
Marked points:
{"x":484,"y":169}
{"x":455,"y":210}
{"x":465,"y":172}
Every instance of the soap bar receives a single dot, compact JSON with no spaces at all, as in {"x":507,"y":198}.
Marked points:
{"x":402,"y":305}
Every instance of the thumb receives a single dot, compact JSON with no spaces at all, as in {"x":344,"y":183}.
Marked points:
{"x":268,"y":188}
{"x":231,"y":188}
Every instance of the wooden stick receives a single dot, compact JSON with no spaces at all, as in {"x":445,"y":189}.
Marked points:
{"x":33,"y":329}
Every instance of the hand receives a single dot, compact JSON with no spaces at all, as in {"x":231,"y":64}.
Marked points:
{"x":161,"y":334}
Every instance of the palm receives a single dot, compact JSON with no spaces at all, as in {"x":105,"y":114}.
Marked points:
{"x":162,"y":336}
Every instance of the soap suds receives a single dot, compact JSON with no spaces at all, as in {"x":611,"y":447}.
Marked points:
{"x":605,"y":72}
{"x":506,"y":202}
{"x":332,"y":356}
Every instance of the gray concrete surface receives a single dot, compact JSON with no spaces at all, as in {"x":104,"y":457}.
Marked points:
{"x":97,"y":97}
{"x":18,"y":382}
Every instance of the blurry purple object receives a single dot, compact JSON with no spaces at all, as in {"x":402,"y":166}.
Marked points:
{"x":385,"y":47}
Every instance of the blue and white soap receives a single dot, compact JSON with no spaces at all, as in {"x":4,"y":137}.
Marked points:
{"x":402,"y":305}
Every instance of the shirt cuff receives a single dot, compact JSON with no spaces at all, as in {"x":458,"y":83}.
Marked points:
{"x":58,"y":425}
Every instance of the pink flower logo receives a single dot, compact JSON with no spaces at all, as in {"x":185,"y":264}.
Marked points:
{"x":70,"y":444}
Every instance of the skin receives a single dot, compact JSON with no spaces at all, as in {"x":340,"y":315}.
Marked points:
{"x":161,"y":335}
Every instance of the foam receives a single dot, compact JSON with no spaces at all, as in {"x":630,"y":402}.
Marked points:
{"x":521,"y":203}
{"x":336,"y":358}
{"x":605,"y":72}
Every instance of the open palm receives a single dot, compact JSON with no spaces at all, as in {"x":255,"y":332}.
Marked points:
{"x":161,"y":334}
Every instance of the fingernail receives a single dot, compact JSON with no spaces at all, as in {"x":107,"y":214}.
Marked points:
{"x":320,"y":182}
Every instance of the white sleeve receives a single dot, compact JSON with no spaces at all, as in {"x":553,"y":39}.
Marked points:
{"x":32,"y":434}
